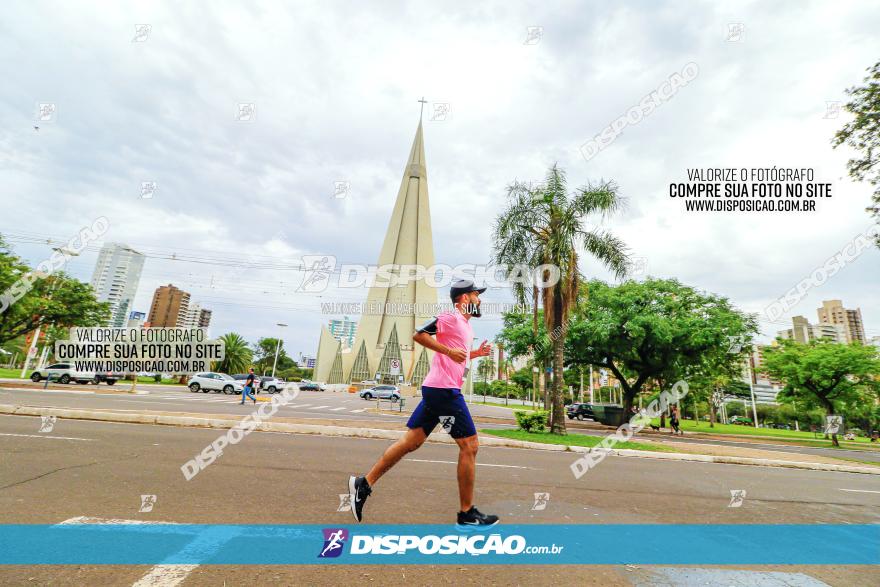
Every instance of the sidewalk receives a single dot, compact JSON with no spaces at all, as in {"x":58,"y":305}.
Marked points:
{"x":393,"y":431}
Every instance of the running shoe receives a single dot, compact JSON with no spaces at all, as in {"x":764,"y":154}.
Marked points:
{"x":359,"y":490}
{"x":474,"y":519}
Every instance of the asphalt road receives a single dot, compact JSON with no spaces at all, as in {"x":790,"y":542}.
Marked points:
{"x":100,"y":470}
{"x":310,"y":405}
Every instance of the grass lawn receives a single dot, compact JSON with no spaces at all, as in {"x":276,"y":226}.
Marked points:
{"x":10,"y":373}
{"x":510,"y":406}
{"x":142,"y":379}
{"x":739,"y":430}
{"x":571,"y":439}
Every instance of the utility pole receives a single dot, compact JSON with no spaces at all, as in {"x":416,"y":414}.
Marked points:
{"x":752,"y":389}
{"x":581,"y":394}
{"x":277,"y":347}
{"x":32,"y":351}
{"x":591,"y":384}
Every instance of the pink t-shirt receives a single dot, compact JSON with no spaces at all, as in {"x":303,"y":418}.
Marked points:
{"x":454,"y":331}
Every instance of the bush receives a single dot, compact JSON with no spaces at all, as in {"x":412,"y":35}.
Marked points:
{"x":531,"y":421}
{"x":157,"y":377}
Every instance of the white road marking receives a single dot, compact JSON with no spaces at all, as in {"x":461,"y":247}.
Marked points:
{"x":478,"y":464}
{"x":44,"y":436}
{"x":49,"y":390}
{"x":319,"y":407}
{"x":859,"y":490}
{"x":163,"y":575}
{"x":359,"y":411}
{"x":93,"y":520}
{"x":337,"y":409}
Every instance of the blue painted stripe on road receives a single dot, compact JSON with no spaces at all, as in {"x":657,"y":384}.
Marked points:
{"x":607,"y":544}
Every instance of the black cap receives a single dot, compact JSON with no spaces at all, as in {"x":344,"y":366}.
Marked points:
{"x":463,"y":286}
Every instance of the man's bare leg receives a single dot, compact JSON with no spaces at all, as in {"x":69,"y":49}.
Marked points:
{"x":467,"y":464}
{"x":413,"y":439}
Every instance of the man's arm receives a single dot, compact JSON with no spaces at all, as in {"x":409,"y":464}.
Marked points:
{"x":429,"y":342}
{"x":484,"y":351}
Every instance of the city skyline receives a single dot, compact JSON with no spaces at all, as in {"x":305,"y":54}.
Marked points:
{"x":325,"y":170}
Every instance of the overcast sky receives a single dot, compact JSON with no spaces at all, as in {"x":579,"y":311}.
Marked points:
{"x":335,"y":87}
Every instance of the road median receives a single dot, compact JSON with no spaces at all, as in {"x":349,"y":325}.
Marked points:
{"x":291,"y":426}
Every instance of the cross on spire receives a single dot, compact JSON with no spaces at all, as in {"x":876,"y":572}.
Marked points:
{"x":422,"y":107}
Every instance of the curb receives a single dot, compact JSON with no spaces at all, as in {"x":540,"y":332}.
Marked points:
{"x":352,"y":432}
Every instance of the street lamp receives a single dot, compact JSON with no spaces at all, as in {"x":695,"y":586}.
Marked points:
{"x":277,"y":346}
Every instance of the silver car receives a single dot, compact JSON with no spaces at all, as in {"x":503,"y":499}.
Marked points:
{"x":391,"y":392}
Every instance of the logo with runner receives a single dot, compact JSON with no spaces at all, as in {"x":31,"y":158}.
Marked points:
{"x":147,"y":503}
{"x":737,"y":497}
{"x":447,"y":422}
{"x":318,"y":269}
{"x":334,"y":540}
{"x":47,"y":423}
{"x":541,"y":500}
{"x":833,"y":424}
{"x":344,"y":502}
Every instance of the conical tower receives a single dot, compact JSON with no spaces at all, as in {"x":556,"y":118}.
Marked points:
{"x":393,"y":313}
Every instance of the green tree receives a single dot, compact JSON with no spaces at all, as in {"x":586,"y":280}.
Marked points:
{"x":524,"y":336}
{"x":828,"y":374}
{"x":264,"y":356}
{"x":522,"y":378}
{"x":546,"y":226}
{"x":486,"y":368}
{"x":863,"y":135}
{"x":657,"y":329}
{"x":58,"y":300}
{"x":237,"y":357}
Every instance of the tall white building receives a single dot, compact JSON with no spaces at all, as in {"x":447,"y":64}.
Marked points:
{"x":344,"y":331}
{"x":116,"y":278}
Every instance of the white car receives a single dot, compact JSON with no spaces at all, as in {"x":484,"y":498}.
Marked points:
{"x":271,"y":384}
{"x":63,"y":373}
{"x":206,"y":382}
{"x":391,"y":392}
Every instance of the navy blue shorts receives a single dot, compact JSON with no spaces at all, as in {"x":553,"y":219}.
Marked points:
{"x":445,"y":407}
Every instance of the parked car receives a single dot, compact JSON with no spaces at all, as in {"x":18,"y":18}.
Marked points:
{"x":242,"y":377}
{"x":206,"y":382}
{"x":271,"y":384}
{"x":391,"y":392}
{"x":311,"y":386}
{"x":63,"y":373}
{"x":108,"y":378}
{"x":579,"y":411}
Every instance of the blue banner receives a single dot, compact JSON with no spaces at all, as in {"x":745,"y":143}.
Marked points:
{"x":611,"y":544}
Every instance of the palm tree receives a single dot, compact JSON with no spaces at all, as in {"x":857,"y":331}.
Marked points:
{"x":545,"y":225}
{"x":237,"y":354}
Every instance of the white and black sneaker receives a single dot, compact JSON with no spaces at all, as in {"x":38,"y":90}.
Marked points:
{"x":474,"y":519}
{"x":359,"y":490}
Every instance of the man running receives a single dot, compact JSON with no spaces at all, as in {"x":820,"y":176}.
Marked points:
{"x":248,"y":386}
{"x":442,"y":403}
